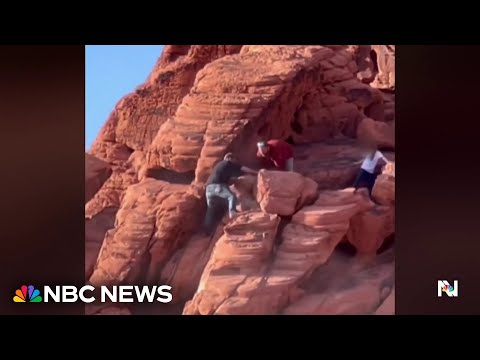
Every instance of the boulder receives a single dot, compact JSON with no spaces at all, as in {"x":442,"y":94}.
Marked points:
{"x":384,"y":189}
{"x":369,"y":229}
{"x":282,"y":192}
{"x":380,"y":133}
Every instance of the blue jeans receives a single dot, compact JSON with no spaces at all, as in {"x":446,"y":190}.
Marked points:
{"x":221,"y":191}
{"x":213,"y":193}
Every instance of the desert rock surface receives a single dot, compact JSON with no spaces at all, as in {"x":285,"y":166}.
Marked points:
{"x":303,"y":242}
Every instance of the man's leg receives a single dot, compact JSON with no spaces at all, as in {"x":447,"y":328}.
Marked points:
{"x":371,"y":183}
{"x":227,"y":194}
{"x":356,"y":183}
{"x":290,"y":164}
{"x":210,"y":214}
{"x":361,"y":180}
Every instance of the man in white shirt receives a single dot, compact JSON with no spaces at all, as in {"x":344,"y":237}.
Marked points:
{"x":371,"y":167}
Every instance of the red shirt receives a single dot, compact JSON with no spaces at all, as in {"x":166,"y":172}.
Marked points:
{"x":280,"y":152}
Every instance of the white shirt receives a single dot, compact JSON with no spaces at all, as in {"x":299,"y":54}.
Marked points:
{"x":369,"y":163}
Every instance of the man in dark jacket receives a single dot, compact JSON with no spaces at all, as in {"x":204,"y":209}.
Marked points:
{"x":218,"y":187}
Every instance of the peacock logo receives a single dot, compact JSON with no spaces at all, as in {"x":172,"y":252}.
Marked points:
{"x":447,"y":288}
{"x":27,"y":294}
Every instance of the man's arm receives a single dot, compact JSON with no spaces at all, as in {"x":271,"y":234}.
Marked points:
{"x":248,"y":170}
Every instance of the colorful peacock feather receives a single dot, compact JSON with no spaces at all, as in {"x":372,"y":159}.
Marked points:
{"x":27,"y":294}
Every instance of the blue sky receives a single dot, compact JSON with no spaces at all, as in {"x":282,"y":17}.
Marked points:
{"x":112,"y":71}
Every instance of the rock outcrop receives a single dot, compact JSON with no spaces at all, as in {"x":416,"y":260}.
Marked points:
{"x":96,"y":173}
{"x":376,"y":64}
{"x":384,"y":190}
{"x":380,"y":133}
{"x":307,"y":92}
{"x":283,"y":193}
{"x":200,"y":101}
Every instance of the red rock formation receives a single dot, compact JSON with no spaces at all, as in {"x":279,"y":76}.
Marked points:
{"x":388,"y":305}
{"x":343,"y":287}
{"x":239,"y":259}
{"x":376,"y":64}
{"x":384,"y":190}
{"x":253,"y":279}
{"x":149,"y":227}
{"x":201,"y":101}
{"x":283,"y":193}
{"x":385,"y":55}
{"x":308,"y":92}
{"x":245,"y":187}
{"x":95,"y":231}
{"x":369,"y":229}
{"x":96,"y":173}
{"x":137,"y":117}
{"x":366,"y":66}
{"x":380,"y":133}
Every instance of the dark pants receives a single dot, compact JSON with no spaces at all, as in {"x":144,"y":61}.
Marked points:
{"x":365,"y":180}
{"x":217,"y":193}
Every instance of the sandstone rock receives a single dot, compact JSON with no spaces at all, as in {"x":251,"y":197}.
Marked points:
{"x":369,"y":229}
{"x":385,"y":57}
{"x":138,"y":116}
{"x":279,"y":191}
{"x":176,"y":205}
{"x":201,"y":101}
{"x":107,"y":309}
{"x":147,"y":223}
{"x":342,"y":288}
{"x":389,"y":101}
{"x":380,"y":133}
{"x":345,"y":197}
{"x":357,"y":93}
{"x":384,"y":189}
{"x":125,"y":246}
{"x":376,"y":64}
{"x":325,"y":215}
{"x":245,"y":188}
{"x":302,"y":250}
{"x":250,"y":279}
{"x":388,"y":305}
{"x":96,"y":173}
{"x":238,"y":257}
{"x":110,"y":194}
{"x":184,"y":269}
{"x":355,"y":301}
{"x":333,"y":207}
{"x":258,"y":91}
{"x":333,"y":164}
{"x":95,"y":231}
{"x":366,"y":68}
{"x":331,"y":213}
{"x":309,"y":192}
{"x":136,"y":160}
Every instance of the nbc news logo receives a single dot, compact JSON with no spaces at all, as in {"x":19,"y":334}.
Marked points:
{"x":444,"y":287}
{"x":27,"y":294}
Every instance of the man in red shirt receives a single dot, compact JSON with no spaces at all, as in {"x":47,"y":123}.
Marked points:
{"x":279,"y":152}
